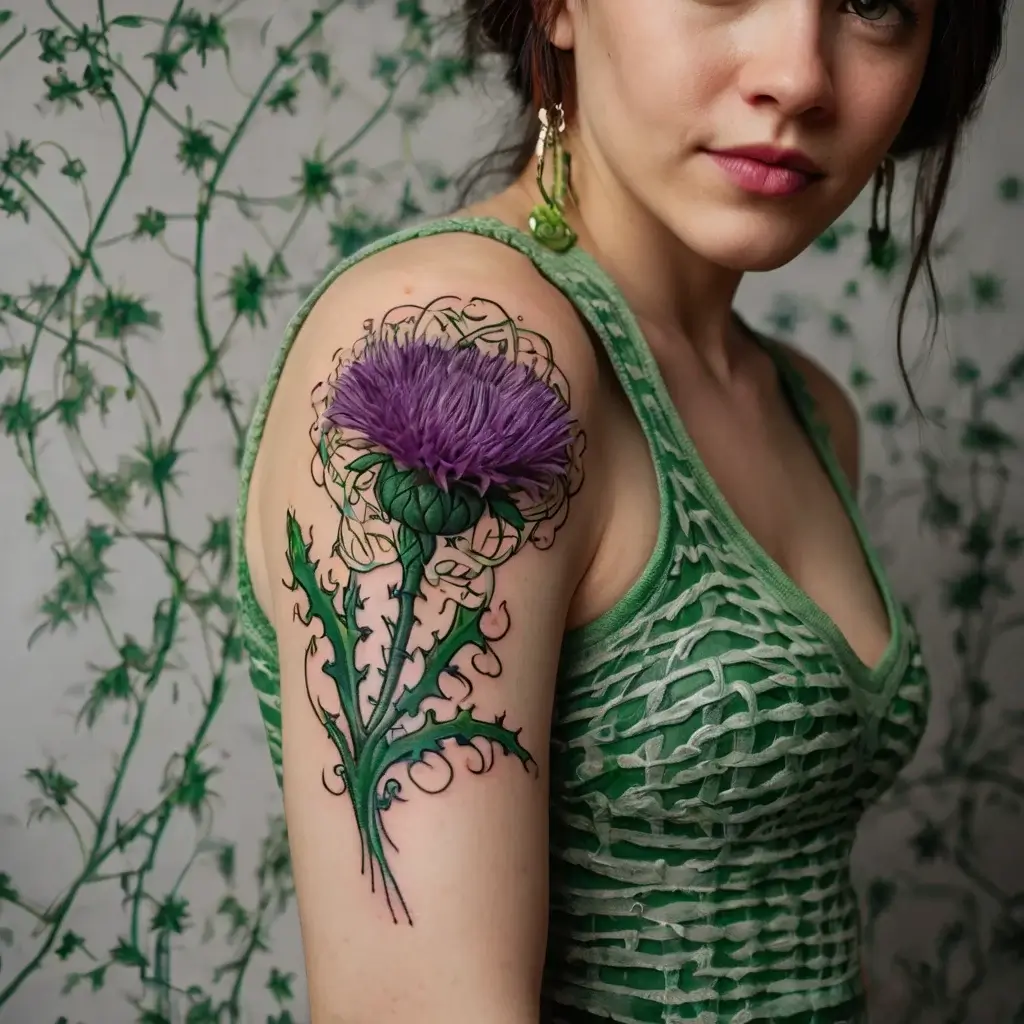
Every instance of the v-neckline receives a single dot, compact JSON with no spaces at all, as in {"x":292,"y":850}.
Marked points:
{"x":797,"y":394}
{"x":790,"y":593}
{"x":798,"y":601}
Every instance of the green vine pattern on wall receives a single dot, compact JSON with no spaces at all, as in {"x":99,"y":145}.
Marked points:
{"x":84,"y":328}
{"x":83,"y":390}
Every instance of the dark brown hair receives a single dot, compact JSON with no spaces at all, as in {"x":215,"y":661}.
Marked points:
{"x":967,"y":40}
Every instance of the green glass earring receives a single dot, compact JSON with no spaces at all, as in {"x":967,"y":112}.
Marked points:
{"x":547,"y":219}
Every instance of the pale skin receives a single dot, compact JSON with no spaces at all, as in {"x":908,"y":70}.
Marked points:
{"x":658,"y":83}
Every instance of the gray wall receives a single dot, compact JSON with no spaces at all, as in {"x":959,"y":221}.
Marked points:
{"x":152,"y":243}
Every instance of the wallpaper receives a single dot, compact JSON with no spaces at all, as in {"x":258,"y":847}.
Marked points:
{"x":174,"y":177}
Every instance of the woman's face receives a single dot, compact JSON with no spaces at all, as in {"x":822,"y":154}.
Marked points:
{"x":665,"y":87}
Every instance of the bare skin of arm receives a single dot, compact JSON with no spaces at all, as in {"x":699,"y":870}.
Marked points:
{"x":423,"y":534}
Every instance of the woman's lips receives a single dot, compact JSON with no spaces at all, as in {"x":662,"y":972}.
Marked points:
{"x":762,"y":178}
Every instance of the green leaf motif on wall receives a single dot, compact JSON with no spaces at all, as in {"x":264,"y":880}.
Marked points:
{"x":174,"y":177}
{"x":106,"y":344}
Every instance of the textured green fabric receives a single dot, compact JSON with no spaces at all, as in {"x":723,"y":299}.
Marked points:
{"x":715,"y":738}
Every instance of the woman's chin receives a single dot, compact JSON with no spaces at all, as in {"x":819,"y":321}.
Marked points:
{"x":757,"y":256}
{"x":751,"y":245}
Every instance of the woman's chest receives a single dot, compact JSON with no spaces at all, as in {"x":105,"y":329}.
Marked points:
{"x":771,"y":496}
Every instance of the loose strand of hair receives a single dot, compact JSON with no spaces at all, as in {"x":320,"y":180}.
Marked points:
{"x":930,"y":187}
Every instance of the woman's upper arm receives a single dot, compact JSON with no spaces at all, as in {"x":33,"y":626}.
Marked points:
{"x":419,"y":630}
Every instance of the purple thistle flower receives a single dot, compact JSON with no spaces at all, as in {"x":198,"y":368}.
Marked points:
{"x":459,"y":414}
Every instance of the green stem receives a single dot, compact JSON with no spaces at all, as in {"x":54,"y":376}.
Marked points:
{"x":112,"y":876}
{"x":157,"y":106}
{"x":341,"y":744}
{"x":13,"y":43}
{"x":382,"y":715}
{"x":43,"y":205}
{"x":244,"y":961}
{"x":368,"y":125}
{"x":164,"y":816}
{"x":379,"y":860}
{"x":39,"y":915}
{"x":77,"y":833}
{"x":111,"y":96}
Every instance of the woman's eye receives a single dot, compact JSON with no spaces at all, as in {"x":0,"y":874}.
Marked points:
{"x":882,"y":11}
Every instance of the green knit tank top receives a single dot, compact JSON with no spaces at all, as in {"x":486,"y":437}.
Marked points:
{"x":715,"y":738}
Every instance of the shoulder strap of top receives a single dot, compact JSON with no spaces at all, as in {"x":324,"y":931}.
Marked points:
{"x":808,"y":413}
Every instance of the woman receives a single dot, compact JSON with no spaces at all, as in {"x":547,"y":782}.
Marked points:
{"x":574,"y":657}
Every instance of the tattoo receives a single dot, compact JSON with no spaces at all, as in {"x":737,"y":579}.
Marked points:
{"x":445,"y":442}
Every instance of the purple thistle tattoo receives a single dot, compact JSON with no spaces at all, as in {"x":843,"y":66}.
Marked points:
{"x":459,"y":414}
{"x":446,"y":437}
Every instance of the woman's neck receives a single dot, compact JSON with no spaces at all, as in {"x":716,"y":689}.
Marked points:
{"x":678,"y":297}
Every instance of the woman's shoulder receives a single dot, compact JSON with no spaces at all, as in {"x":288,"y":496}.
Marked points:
{"x":834,"y":407}
{"x":444,"y":292}
{"x":458,"y":283}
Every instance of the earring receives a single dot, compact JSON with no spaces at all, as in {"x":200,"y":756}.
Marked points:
{"x":880,"y":232}
{"x":547,"y":219}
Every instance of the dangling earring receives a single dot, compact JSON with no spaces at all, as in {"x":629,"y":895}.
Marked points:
{"x":880,"y":233}
{"x":547,"y":219}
